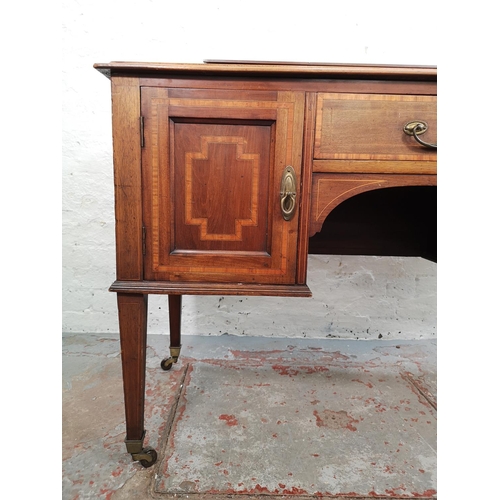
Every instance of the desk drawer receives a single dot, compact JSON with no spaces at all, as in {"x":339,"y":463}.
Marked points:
{"x":369,"y":128}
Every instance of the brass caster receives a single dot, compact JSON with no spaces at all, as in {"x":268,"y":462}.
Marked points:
{"x":167,"y":363}
{"x":147,"y":457}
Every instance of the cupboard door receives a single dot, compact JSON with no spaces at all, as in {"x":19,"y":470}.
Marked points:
{"x":213,"y":161}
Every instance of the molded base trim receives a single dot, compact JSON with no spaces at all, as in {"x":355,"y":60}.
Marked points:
{"x":176,"y":288}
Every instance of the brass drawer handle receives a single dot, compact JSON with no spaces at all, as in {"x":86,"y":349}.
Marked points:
{"x":416,"y":128}
{"x":288,"y":193}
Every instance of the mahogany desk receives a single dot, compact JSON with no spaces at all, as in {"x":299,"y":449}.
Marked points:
{"x":225,"y":171}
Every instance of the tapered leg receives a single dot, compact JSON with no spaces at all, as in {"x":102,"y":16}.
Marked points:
{"x":174,"y":314}
{"x":132,"y":315}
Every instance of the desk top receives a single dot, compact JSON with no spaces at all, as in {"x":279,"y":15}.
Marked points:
{"x":271,"y":69}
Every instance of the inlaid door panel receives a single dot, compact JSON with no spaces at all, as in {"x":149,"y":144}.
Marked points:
{"x":212,"y":167}
{"x":225,"y":169}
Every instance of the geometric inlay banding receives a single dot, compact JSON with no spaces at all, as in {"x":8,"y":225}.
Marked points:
{"x":200,"y":168}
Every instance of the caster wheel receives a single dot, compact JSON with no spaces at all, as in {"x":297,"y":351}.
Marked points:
{"x":154,"y":456}
{"x":167,"y":363}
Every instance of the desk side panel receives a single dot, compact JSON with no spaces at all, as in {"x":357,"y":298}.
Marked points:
{"x":127,"y":177}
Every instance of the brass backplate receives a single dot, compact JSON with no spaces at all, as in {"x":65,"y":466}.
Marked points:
{"x":288,"y":193}
{"x":409,"y":128}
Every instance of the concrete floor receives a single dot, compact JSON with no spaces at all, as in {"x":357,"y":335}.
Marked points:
{"x":254,"y":416}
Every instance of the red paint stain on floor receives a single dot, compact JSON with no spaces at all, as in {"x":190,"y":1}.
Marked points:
{"x":230,"y":420}
{"x":107,"y":492}
{"x":263,"y":490}
{"x":335,"y":420}
{"x":335,"y":355}
{"x":285,"y":370}
{"x":368,"y":384}
{"x":394,"y":494}
{"x":294,"y":491}
{"x":426,"y":494}
{"x":255,"y":354}
{"x":117,"y":472}
{"x":305,"y":370}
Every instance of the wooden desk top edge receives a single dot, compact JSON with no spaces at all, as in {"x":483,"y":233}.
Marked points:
{"x":271,"y":69}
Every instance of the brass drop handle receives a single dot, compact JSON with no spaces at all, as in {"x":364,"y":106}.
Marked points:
{"x":288,"y":193}
{"x":416,"y":128}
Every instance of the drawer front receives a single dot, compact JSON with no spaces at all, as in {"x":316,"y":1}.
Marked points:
{"x":370,"y":127}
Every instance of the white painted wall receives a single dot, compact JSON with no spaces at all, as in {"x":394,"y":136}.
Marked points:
{"x":354,"y":297}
